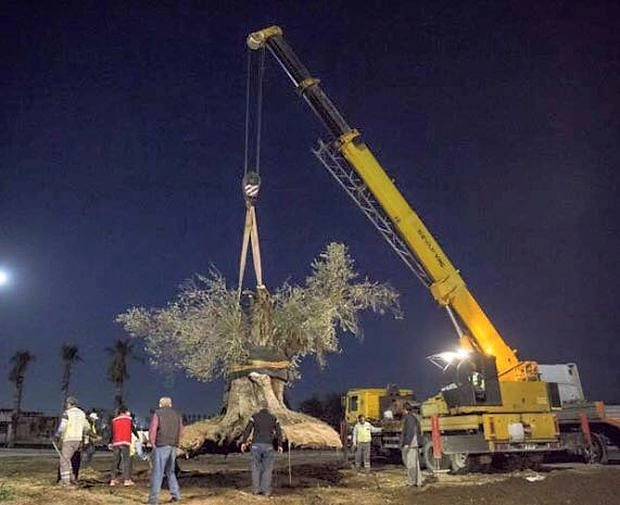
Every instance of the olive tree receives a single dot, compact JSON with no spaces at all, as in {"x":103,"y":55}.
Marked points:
{"x":256,"y":341}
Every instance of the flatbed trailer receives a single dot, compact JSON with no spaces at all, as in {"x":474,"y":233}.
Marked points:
{"x":590,"y":430}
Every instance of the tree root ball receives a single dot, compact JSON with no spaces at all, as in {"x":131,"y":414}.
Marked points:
{"x":246,"y":396}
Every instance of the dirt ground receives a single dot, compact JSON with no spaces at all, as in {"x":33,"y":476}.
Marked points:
{"x":314,"y":479}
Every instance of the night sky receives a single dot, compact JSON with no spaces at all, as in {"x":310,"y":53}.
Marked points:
{"x":121,"y":156}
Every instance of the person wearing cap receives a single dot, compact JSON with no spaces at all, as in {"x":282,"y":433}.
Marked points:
{"x":410,"y":440}
{"x":71,"y":431}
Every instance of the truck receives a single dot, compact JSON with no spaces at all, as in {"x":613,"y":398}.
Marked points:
{"x":495,"y":407}
{"x":383,"y":408}
{"x":588,"y":429}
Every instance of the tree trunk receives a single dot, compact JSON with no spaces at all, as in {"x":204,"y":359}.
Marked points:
{"x":245,"y":396}
{"x":118,"y":395}
{"x":66,"y":379}
{"x":15,"y":415}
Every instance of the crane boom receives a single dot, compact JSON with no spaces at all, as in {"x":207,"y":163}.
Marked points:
{"x":434,"y":268}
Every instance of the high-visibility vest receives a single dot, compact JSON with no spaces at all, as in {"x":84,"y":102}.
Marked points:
{"x":362,"y":432}
{"x":91,"y":434}
{"x":132,"y":448}
{"x":75,"y":424}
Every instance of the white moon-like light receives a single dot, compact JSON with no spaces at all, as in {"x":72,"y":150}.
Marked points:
{"x":4,"y":277}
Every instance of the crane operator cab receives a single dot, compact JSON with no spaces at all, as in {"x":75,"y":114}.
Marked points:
{"x":475,"y":380}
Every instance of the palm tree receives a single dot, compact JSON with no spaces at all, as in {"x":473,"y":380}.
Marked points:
{"x":19,"y":362}
{"x":117,"y":367}
{"x":70,"y":357}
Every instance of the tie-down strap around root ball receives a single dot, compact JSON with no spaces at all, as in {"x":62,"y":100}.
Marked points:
{"x":277,"y":369}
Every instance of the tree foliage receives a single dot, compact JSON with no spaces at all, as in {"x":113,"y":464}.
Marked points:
{"x":19,"y":363}
{"x":70,"y":356}
{"x":205,"y":330}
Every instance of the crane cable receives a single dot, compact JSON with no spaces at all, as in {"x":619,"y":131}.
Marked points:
{"x":251,"y":178}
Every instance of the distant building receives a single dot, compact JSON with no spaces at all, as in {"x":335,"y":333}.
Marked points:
{"x":194,"y":418}
{"x":32,"y":427}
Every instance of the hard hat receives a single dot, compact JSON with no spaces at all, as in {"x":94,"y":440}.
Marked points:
{"x":93,"y":416}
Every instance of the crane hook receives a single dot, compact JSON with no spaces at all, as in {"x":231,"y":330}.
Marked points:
{"x":250,"y":185}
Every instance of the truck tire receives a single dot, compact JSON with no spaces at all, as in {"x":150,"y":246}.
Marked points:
{"x":508,"y":462}
{"x":533,"y":461}
{"x":460,"y":463}
{"x":598,"y":454}
{"x":431,"y":463}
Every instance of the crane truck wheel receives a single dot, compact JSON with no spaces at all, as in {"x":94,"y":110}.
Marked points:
{"x":598,"y":453}
{"x":460,"y":463}
{"x":508,"y":462}
{"x":533,"y":461}
{"x":435,"y":465}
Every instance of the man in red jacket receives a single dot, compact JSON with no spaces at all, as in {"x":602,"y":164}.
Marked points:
{"x":121,"y":441}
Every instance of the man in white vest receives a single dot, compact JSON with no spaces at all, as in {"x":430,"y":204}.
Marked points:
{"x":73,"y":426}
{"x":362,"y":437}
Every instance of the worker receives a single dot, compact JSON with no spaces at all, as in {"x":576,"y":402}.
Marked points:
{"x":135,"y":441}
{"x":122,"y":426}
{"x":410,"y":439}
{"x":165,"y":431}
{"x":70,"y":434}
{"x":90,"y":438}
{"x":266,"y":430}
{"x":140,"y":442}
{"x":361,"y":439}
{"x":84,"y":456}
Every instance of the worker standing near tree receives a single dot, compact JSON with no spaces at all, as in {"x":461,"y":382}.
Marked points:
{"x":71,"y":431}
{"x":266,"y":430}
{"x":122,"y":426}
{"x":361,"y":439}
{"x":90,"y":439}
{"x":165,"y":432}
{"x":410,"y":439}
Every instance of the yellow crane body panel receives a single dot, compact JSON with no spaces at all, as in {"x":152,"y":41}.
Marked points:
{"x":520,"y":428}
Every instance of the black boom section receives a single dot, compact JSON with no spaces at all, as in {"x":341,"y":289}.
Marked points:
{"x":307,"y":86}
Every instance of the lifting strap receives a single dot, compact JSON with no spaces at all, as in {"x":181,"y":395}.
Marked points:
{"x":250,"y":235}
{"x":251,"y":178}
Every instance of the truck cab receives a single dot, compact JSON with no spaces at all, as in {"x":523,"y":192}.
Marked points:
{"x":383,"y":408}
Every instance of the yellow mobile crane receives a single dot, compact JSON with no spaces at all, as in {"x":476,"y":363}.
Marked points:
{"x":496,"y":404}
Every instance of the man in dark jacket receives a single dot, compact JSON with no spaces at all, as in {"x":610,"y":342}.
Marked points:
{"x":266,"y":430}
{"x":164,"y":433}
{"x":410,"y":440}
